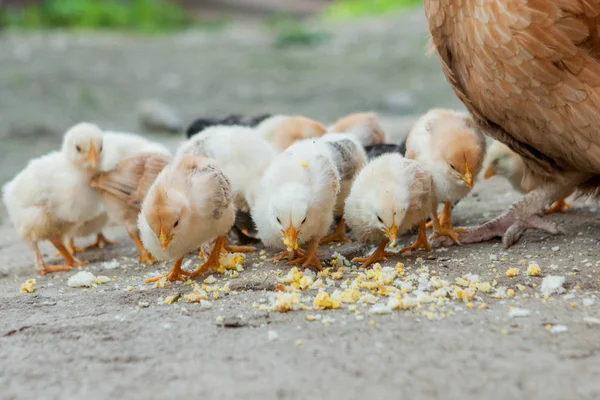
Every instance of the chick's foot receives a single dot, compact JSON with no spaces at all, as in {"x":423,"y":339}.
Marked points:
{"x":421,"y":241}
{"x":213,"y":259}
{"x":237,"y":249}
{"x":559,"y":206}
{"x":310,"y":259}
{"x":378,"y":255}
{"x":101,"y":242}
{"x":338,"y":235}
{"x":288,"y":255}
{"x":174,"y":274}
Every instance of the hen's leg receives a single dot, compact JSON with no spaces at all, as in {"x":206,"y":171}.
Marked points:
{"x":338,"y":235}
{"x":523,"y":215}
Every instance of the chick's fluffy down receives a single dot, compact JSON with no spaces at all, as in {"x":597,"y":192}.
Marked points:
{"x":392,"y":187}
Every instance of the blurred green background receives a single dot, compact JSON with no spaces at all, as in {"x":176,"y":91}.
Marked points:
{"x":149,"y":16}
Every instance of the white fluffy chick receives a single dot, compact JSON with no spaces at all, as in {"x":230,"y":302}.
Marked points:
{"x":51,"y":197}
{"x":117,"y":147}
{"x":364,"y":127}
{"x":123,"y":189}
{"x":188,"y":204}
{"x":390,"y":196}
{"x":243,"y":156}
{"x":452,"y":149}
{"x":349,"y":157}
{"x":295,"y":202}
{"x":283,"y":130}
{"x":501,"y":160}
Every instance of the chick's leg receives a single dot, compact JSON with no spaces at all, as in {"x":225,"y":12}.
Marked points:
{"x":101,"y":242}
{"x":213,"y":259}
{"x":559,"y":206}
{"x":237,"y":249}
{"x":338,"y":235}
{"x":41,"y":266}
{"x":421,"y":242}
{"x":289,"y":255}
{"x":310,"y":259}
{"x":70,"y":260}
{"x":71,"y":247}
{"x":523,"y":215}
{"x":174,"y":274}
{"x":144,"y":255}
{"x":443,"y":225}
{"x":378,"y":255}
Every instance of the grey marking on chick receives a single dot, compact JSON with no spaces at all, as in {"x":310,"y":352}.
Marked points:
{"x":342,"y":155}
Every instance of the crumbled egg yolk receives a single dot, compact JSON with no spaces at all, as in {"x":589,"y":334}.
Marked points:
{"x":289,"y":245}
{"x":28,"y":286}
{"x":512,"y":272}
{"x":169,"y":299}
{"x":534,"y":270}
{"x":323,"y":301}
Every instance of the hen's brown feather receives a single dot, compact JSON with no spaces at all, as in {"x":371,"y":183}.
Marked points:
{"x":130,"y":179}
{"x":529,"y":72}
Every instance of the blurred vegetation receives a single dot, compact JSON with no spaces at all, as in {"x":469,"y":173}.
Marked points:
{"x":289,"y":31}
{"x":135,"y":15}
{"x":344,"y":9}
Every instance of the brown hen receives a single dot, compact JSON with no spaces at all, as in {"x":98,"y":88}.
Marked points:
{"x":529,"y":73}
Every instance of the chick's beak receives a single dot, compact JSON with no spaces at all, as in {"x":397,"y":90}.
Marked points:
{"x":491,"y":171}
{"x":468,"y":176}
{"x":290,"y":238}
{"x":392,"y":234}
{"x":92,"y":157}
{"x":164,"y":239}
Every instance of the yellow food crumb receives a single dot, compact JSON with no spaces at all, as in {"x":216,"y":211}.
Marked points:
{"x":372,"y":323}
{"x":483,"y":306}
{"x":219,"y":319}
{"x":129,"y":288}
{"x":169,"y":299}
{"x":310,"y":317}
{"x":534,"y":270}
{"x":485,"y":287}
{"x":512,"y":272}
{"x":572,"y":305}
{"x":299,"y":342}
{"x":161,"y":283}
{"x":304,"y":164}
{"x":28,"y":286}
{"x":470,"y":305}
{"x":323,"y":301}
{"x":510,"y":293}
{"x":522,"y":288}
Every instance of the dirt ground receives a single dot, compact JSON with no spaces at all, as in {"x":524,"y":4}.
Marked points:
{"x":119,"y":340}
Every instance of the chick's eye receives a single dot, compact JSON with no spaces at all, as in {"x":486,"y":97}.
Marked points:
{"x":303,"y":221}
{"x":452,"y":166}
{"x":278,"y":221}
{"x":78,"y":149}
{"x":175,"y":224}
{"x":379,"y":219}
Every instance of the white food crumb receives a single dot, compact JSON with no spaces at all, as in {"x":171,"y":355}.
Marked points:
{"x":210,"y":280}
{"x":588,"y":302}
{"x":591,"y":320}
{"x":205,"y":305}
{"x":555,"y":248}
{"x":110,"y":264}
{"x":559,"y":329}
{"x":552,"y":285}
{"x":272,"y":335}
{"x":380,"y":308}
{"x":518,"y":313}
{"x":82,"y":279}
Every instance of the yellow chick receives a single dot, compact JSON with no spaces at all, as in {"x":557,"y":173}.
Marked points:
{"x":448,"y":145}
{"x":123,"y":189}
{"x":283,"y":130}
{"x":51,"y":197}
{"x":189,"y":204}
{"x":502,"y":161}
{"x":364,"y":127}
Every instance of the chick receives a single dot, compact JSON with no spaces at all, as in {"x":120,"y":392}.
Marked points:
{"x":448,"y":145}
{"x":123,"y":189}
{"x":349,"y":157}
{"x":51,"y":197}
{"x":501,"y":160}
{"x":189,"y":204}
{"x":242,"y":155}
{"x":283,"y":130}
{"x":296,"y":199}
{"x":117,"y":147}
{"x":364,"y":127}
{"x":390,"y":195}
{"x":201,"y":124}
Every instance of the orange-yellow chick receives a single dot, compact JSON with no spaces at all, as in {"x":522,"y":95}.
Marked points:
{"x":283,"y":130}
{"x":364,"y":127}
